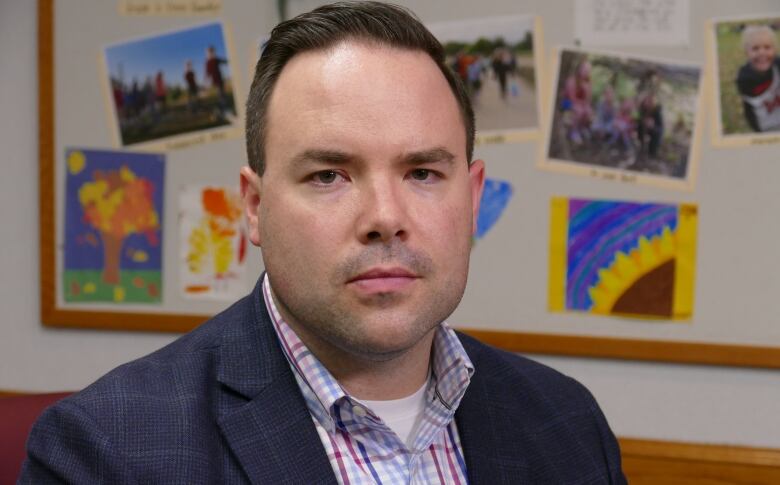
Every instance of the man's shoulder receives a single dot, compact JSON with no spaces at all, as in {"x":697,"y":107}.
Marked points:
{"x":166,"y":401}
{"x":496,"y":360}
{"x":185,"y":365}
{"x":525,"y":383}
{"x":548,"y":423}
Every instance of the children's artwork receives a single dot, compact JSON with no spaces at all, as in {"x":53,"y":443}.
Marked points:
{"x":495,"y":197}
{"x":113,"y":226}
{"x":213,"y":243}
{"x":497,"y":62}
{"x":622,"y":258}
{"x":624,"y":118}
{"x":744,"y":53}
{"x":173,"y":90}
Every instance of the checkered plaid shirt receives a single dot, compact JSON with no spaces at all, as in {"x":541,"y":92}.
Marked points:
{"x":360,"y":447}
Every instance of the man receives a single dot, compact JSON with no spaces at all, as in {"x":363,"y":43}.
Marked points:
{"x":338,"y":368}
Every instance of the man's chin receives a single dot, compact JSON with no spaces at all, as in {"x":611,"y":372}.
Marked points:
{"x":382,"y":300}
{"x":387,"y":345}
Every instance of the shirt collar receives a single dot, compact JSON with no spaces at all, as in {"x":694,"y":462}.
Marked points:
{"x":451,"y":368}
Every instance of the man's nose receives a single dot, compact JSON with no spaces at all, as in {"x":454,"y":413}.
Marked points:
{"x":383,"y":213}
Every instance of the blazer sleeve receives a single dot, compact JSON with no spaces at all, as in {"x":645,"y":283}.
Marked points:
{"x":67,"y":446}
{"x":609,"y":444}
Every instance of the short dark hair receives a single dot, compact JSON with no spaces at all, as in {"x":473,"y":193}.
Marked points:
{"x":381,"y":23}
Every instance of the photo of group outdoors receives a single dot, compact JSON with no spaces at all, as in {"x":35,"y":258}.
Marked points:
{"x":613,"y":113}
{"x":747,"y":88}
{"x":171,"y":84}
{"x":495,"y":59}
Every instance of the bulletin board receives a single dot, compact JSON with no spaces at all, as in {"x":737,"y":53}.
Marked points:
{"x":141,"y":140}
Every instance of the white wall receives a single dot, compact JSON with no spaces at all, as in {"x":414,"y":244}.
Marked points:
{"x":655,"y":401}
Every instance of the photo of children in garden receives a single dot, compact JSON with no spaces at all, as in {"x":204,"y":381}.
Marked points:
{"x":170,"y":84}
{"x":624,"y":113}
{"x":748,"y":76}
{"x":495,"y":59}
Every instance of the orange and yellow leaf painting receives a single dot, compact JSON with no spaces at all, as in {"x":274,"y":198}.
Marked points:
{"x":113,"y":226}
{"x":213,"y":243}
{"x":622,"y":258}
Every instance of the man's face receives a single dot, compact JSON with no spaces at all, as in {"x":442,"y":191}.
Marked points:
{"x":367,"y":205}
{"x":761,"y":51}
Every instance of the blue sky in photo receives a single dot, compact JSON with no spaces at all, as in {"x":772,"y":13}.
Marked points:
{"x":168,"y":52}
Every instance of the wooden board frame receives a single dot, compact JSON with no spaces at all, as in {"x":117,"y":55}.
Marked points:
{"x":580,"y":346}
{"x":51,"y":314}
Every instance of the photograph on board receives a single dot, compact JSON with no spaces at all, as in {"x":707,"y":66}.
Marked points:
{"x":212,"y":243}
{"x":747,"y":79}
{"x":172,"y":84}
{"x":615,"y":116}
{"x":495,"y":58}
{"x":113,"y":228}
{"x":622,"y":258}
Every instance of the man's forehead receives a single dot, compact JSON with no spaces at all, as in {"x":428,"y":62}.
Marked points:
{"x":363,"y":98}
{"x":357,"y":78}
{"x":350,"y":57}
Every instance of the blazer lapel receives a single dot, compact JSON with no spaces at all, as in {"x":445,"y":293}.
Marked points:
{"x":489,"y":431}
{"x":261,"y":412}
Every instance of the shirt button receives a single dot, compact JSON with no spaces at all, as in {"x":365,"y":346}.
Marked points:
{"x":359,"y":411}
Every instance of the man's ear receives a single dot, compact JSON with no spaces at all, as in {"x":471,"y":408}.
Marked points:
{"x":251,"y":185}
{"x":477,"y":183}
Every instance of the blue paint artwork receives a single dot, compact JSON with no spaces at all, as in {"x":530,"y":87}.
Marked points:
{"x":495,"y":197}
{"x":83,"y":247}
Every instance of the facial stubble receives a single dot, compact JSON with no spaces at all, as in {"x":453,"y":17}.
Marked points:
{"x":342,"y":327}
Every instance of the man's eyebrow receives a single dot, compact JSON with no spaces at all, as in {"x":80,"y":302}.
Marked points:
{"x":336,"y":157}
{"x":322,"y":156}
{"x":429,"y":156}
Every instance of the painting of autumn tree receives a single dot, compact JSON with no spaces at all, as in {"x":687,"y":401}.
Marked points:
{"x":118,"y":204}
{"x":113,"y":226}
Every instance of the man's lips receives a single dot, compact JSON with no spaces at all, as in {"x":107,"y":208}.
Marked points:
{"x":378,"y":273}
{"x":382,"y":280}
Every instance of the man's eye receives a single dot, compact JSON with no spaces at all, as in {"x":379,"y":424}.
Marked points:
{"x":325,"y":177}
{"x":420,"y":174}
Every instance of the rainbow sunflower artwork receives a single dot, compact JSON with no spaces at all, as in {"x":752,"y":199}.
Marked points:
{"x":622,"y":258}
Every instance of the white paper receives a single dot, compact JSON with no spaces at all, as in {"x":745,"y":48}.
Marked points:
{"x":632,"y":22}
{"x":212,"y":243}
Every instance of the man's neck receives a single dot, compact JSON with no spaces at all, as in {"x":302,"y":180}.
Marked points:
{"x":371,"y":379}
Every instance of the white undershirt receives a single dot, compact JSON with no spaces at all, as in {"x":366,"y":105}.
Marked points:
{"x":401,"y":415}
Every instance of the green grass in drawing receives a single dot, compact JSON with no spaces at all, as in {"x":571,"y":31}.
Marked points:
{"x":139,"y":286}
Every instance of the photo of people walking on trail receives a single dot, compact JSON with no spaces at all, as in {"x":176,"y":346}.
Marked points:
{"x":494,"y":57}
{"x":625,"y":114}
{"x":748,"y":76}
{"x":170,"y":84}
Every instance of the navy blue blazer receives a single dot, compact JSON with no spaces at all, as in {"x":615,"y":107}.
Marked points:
{"x":221,"y":405}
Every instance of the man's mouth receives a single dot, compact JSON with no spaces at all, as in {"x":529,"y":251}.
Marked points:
{"x":383,"y":280}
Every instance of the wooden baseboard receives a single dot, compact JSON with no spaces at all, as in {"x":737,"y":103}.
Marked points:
{"x":647,"y":462}
{"x":7,"y":393}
